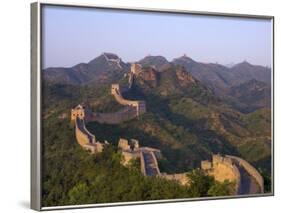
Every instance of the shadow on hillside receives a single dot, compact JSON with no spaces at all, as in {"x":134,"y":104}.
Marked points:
{"x":179,"y":159}
{"x":209,"y":138}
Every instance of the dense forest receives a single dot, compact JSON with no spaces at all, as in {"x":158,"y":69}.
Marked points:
{"x":72,"y":176}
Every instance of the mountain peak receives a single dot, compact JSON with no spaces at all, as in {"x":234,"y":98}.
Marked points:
{"x":155,"y":61}
{"x":111,"y":56}
{"x":109,"y":59}
{"x":185,"y":59}
{"x":243,"y":63}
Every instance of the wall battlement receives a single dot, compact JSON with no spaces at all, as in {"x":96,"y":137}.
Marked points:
{"x":116,"y":91}
{"x":85,"y":138}
{"x":250,"y":170}
{"x":131,"y":109}
{"x":81,"y":114}
{"x":246,"y":177}
{"x":180,"y":178}
{"x":125,"y":114}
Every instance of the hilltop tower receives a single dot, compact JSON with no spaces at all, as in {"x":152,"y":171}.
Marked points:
{"x":78,"y":111}
{"x":115,"y":88}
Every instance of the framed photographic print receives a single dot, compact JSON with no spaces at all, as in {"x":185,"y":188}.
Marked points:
{"x":138,"y":105}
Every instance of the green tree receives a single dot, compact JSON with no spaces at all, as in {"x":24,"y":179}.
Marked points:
{"x":79,"y":193}
{"x":200,"y":183}
{"x":222,"y":188}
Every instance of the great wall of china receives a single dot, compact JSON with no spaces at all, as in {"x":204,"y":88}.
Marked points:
{"x":246,"y":178}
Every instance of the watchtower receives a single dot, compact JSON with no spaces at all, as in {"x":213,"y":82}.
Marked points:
{"x":115,"y":88}
{"x":78,"y":111}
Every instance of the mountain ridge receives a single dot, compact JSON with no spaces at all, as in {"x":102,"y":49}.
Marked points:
{"x":109,"y":62}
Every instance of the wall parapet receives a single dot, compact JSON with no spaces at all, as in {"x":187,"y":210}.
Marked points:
{"x":178,"y":177}
{"x":85,"y":138}
{"x":127,"y":113}
{"x":251,"y":170}
{"x":222,"y":168}
{"x":116,"y":91}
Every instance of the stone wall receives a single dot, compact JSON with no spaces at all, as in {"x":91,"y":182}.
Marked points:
{"x":117,"y":93}
{"x":143,"y":171}
{"x":251,"y":170}
{"x":222,"y":168}
{"x":127,"y":113}
{"x":131,"y":110}
{"x":181,"y":178}
{"x":155,"y":162}
{"x":85,"y":138}
{"x":206,"y":165}
{"x":123,"y":144}
{"x":129,"y":155}
{"x":94,"y":148}
{"x":78,"y":111}
{"x":81,"y":138}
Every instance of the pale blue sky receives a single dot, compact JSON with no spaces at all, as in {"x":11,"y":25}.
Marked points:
{"x":74,"y":35}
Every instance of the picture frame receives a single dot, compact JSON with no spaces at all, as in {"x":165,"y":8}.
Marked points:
{"x":37,"y":102}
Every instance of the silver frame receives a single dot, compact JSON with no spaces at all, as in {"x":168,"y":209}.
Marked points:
{"x":36,"y":57}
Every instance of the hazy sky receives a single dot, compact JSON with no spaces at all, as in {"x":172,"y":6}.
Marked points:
{"x":73,"y":35}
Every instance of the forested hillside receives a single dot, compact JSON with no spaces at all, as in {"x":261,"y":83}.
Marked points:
{"x":186,"y":119}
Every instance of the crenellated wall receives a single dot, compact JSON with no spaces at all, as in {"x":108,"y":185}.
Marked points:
{"x":250,"y":169}
{"x":125,"y":114}
{"x":81,"y":138}
{"x":248,"y":180}
{"x":82,"y":113}
{"x":85,"y":138}
{"x":222,"y":168}
{"x":132,"y":150}
{"x":180,"y":178}
{"x":130,"y":110}
{"x":77,"y":112}
{"x":116,"y":91}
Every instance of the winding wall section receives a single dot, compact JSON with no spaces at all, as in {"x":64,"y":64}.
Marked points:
{"x":232,"y":168}
{"x":85,"y":138}
{"x":250,"y":177}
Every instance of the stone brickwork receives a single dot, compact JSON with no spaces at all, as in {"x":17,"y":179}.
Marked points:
{"x":129,"y":150}
{"x":77,"y":112}
{"x":82,"y":113}
{"x":85,"y":139}
{"x":222,"y":168}
{"x":181,"y":178}
{"x":148,"y":160}
{"x":140,"y":106}
{"x":123,"y":144}
{"x":206,"y":165}
{"x":124,"y":114}
{"x":246,"y":177}
{"x":250,"y":169}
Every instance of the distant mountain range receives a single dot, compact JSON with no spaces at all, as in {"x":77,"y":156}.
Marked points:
{"x":243,"y":85}
{"x":105,"y":66}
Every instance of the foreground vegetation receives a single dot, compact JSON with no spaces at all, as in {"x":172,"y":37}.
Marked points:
{"x":73,"y":176}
